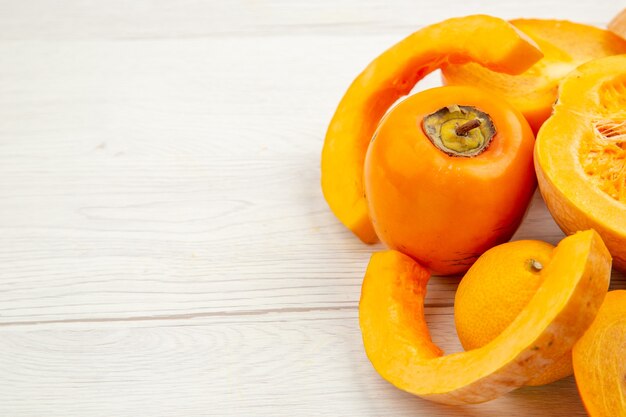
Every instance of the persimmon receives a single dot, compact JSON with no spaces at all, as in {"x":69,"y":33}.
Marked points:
{"x":448,"y":175}
{"x":600,"y":360}
{"x":490,"y":41}
{"x":565,"y":46}
{"x":580,"y":154}
{"x":397,"y":341}
{"x":493,"y":292}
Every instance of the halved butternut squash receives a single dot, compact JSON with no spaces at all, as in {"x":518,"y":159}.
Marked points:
{"x":565,"y":45}
{"x":484,"y":39}
{"x":600,"y":360}
{"x":397,"y":341}
{"x":580,"y":154}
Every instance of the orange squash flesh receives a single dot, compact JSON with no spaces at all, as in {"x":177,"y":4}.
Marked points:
{"x":397,"y":342}
{"x":580,"y":154}
{"x":600,"y":360}
{"x":565,"y":45}
{"x":487,"y":40}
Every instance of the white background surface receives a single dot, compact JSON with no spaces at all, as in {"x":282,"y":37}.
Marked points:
{"x":165,"y":249}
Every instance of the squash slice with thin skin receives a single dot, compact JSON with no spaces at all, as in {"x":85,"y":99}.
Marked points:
{"x":565,"y":45}
{"x":397,"y":341}
{"x":600,"y":360}
{"x":492,"y":293}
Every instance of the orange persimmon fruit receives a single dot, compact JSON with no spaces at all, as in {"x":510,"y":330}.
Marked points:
{"x":600,"y":360}
{"x":492,"y":293}
{"x":397,"y":340}
{"x":490,"y":41}
{"x":565,"y":45}
{"x":442,"y":196}
{"x":580,"y":154}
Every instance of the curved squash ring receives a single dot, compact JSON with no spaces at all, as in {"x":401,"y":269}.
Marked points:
{"x":598,"y":359}
{"x":487,"y":40}
{"x":397,"y":341}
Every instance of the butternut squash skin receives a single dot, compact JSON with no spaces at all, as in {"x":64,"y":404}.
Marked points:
{"x":574,"y":161}
{"x":494,"y":43}
{"x":600,"y":360}
{"x":397,"y":342}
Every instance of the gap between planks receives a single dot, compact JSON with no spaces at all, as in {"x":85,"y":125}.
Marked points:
{"x":190,"y":316}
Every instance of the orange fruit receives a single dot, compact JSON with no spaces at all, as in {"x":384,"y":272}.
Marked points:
{"x":492,"y":293}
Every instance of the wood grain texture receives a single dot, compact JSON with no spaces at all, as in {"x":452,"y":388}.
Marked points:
{"x":119,"y":19}
{"x":276,"y":364}
{"x":164,"y":245}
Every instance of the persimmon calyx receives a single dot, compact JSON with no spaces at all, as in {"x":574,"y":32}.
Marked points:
{"x":459,"y":130}
{"x":466,"y":127}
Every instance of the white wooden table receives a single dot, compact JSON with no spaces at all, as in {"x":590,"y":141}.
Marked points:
{"x":165,"y":249}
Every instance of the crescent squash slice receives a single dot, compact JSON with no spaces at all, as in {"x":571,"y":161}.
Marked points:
{"x":600,"y":360}
{"x":398,"y":344}
{"x":487,"y":40}
{"x":565,"y":46}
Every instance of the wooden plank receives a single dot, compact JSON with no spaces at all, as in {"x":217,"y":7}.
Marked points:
{"x":285,"y":364}
{"x":145,"y":179}
{"x":141,"y":19}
